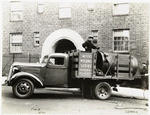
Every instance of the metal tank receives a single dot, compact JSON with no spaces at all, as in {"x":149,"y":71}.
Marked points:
{"x":117,"y":64}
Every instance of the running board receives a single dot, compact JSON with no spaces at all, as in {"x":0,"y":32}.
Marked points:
{"x":63,"y":89}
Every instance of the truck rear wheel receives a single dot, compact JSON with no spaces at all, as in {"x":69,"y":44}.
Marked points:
{"x":23,"y":88}
{"x":102,"y":90}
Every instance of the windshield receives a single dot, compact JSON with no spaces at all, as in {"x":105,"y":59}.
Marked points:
{"x":45,"y":58}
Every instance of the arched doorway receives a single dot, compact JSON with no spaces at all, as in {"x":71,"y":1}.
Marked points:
{"x":61,"y":40}
{"x":64,"y":45}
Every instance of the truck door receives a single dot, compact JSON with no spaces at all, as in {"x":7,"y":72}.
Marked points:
{"x":56,"y":72}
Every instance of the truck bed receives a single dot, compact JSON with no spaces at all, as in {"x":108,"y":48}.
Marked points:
{"x":84,"y":65}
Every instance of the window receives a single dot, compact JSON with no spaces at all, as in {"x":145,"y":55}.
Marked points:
{"x":16,"y":11}
{"x":56,"y":61}
{"x":64,"y":10}
{"x":90,"y":6}
{"x":40,"y":7}
{"x":121,"y":40}
{"x":95,"y":35}
{"x":36,"y":39}
{"x":16,"y":43}
{"x":121,"y":9}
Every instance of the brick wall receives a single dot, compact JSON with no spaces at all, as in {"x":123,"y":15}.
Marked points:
{"x":81,"y":21}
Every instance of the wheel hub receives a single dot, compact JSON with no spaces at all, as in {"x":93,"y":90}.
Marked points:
{"x":103,"y":92}
{"x":23,"y":88}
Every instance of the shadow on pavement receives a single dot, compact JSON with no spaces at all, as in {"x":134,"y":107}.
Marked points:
{"x":54,"y":96}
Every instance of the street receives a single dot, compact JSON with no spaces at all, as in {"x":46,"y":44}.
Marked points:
{"x":48,"y":102}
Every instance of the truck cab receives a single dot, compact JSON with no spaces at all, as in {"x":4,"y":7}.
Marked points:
{"x":24,"y":77}
{"x":55,"y":72}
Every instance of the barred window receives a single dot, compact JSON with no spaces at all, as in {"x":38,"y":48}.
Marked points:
{"x":121,"y":40}
{"x":16,"y":11}
{"x":16,"y":43}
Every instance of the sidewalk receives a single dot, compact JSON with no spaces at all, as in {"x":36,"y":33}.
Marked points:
{"x":3,"y":78}
{"x":122,"y":91}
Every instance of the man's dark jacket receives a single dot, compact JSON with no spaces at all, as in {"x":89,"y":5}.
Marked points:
{"x":88,"y":46}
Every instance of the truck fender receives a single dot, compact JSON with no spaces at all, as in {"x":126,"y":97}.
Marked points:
{"x":20,"y":74}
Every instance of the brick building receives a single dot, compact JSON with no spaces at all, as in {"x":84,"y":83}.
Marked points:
{"x":40,"y":28}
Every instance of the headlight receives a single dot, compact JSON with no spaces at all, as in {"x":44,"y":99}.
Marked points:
{"x":14,"y":69}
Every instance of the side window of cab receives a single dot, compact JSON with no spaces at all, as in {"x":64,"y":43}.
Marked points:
{"x":56,"y":61}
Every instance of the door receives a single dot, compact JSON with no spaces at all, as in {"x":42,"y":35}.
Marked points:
{"x":56,"y":72}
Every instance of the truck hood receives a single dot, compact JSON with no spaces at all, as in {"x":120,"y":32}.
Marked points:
{"x":28,"y":64}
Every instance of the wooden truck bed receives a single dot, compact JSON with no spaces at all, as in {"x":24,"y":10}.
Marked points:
{"x":83,"y":65}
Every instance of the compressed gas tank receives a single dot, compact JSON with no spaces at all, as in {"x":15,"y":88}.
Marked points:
{"x":120,"y":64}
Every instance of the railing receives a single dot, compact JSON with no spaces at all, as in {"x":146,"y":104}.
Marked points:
{"x":8,"y":60}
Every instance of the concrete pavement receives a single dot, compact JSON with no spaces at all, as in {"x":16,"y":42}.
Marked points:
{"x":122,"y":91}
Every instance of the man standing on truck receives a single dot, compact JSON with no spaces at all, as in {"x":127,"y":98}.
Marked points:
{"x":88,"y":45}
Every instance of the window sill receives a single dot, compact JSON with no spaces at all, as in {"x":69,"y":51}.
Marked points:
{"x":64,"y":18}
{"x":122,"y":52}
{"x":36,"y":45}
{"x":16,"y":20}
{"x":15,"y":52}
{"x":115,"y":15}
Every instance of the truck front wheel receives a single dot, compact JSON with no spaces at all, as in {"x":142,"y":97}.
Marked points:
{"x":23,"y":88}
{"x":102,"y":90}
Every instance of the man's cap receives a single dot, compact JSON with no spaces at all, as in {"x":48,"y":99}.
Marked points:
{"x":90,"y":36}
{"x":143,"y":63}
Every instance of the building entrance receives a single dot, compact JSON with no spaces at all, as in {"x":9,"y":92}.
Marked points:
{"x":61,"y":41}
{"x":64,"y":45}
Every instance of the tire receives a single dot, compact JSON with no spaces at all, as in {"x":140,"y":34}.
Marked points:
{"x":102,"y":90}
{"x":23,"y":88}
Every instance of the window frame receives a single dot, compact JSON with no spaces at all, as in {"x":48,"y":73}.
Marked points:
{"x":55,"y":64}
{"x":90,"y":6}
{"x":11,"y":43}
{"x":121,"y":51}
{"x":120,"y":14}
{"x":95,"y":37}
{"x":64,"y":6}
{"x":93,"y":34}
{"x":36,"y":39}
{"x":16,"y":11}
{"x":39,"y":6}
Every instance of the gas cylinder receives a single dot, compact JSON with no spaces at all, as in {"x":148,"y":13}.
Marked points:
{"x":110,"y":63}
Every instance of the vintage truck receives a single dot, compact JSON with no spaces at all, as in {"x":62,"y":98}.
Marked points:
{"x":93,"y":73}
